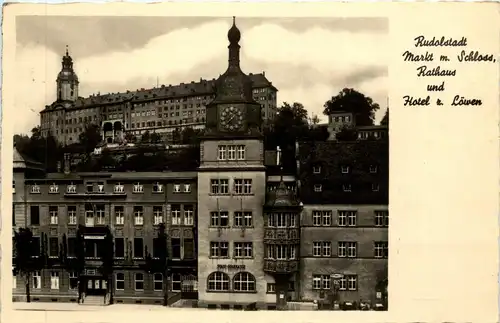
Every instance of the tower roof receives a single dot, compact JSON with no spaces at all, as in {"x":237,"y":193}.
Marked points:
{"x":282,"y":196}
{"x":67,"y":73}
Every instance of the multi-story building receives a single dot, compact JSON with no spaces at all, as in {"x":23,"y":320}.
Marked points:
{"x":132,"y":205}
{"x":241,"y":232}
{"x":161,"y":109}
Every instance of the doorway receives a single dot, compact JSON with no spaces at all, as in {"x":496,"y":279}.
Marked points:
{"x":96,"y":286}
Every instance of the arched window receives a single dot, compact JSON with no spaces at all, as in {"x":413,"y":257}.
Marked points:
{"x":218,"y":281}
{"x":244,"y":282}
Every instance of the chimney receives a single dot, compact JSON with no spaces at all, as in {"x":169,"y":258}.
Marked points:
{"x":58,"y":166}
{"x":67,"y":165}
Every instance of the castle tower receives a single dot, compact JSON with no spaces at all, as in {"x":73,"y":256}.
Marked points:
{"x":67,"y":80}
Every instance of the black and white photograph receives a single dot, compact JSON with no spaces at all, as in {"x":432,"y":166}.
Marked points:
{"x":210,"y":163}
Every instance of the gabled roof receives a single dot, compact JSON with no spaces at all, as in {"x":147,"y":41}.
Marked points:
{"x":21,"y":162}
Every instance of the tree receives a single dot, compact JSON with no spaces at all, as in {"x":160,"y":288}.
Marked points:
{"x":129,"y":137}
{"x":159,"y":262}
{"x":108,"y":262}
{"x":146,"y":137}
{"x":176,"y":136}
{"x":24,"y":262}
{"x":349,"y":100}
{"x":385,"y":119}
{"x":90,"y":138}
{"x":45,"y":150}
{"x":347,"y":133}
{"x":155,"y":138}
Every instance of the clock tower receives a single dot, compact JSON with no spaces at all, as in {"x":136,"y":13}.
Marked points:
{"x":231,"y":192}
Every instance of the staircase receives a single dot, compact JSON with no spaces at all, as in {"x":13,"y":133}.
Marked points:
{"x":92,"y":300}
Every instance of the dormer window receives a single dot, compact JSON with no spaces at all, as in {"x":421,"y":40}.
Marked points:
{"x":318,"y":188}
{"x":346,"y":187}
{"x":375,"y":187}
{"x":53,"y":189}
{"x":345,"y":169}
{"x":119,"y":188}
{"x":13,"y":187}
{"x":100,"y":188}
{"x":317,"y":170}
{"x":90,"y":188}
{"x":187,"y":188}
{"x":373,"y":169}
{"x":177,"y":188}
{"x":157,"y":187}
{"x":71,"y":189}
{"x":35,"y":189}
{"x":138,"y":188}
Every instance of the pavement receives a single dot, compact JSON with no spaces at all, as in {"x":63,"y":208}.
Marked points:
{"x":43,"y":306}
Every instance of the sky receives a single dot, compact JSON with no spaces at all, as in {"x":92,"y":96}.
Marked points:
{"x":309,"y":60}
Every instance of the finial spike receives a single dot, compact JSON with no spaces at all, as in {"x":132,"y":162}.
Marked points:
{"x":67,"y":53}
{"x":234,"y":20}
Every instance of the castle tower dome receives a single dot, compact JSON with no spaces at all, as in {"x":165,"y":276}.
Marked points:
{"x":67,"y":80}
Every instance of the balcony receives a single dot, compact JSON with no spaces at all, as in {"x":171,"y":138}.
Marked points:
{"x":273,"y":266}
{"x":282,"y":235}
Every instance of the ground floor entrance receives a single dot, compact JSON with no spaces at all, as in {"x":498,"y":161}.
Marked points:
{"x":95,"y":286}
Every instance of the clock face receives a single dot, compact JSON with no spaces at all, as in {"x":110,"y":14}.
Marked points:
{"x":231,"y":118}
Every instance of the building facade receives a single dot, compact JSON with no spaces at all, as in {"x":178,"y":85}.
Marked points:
{"x":161,"y":109}
{"x":240,"y":232}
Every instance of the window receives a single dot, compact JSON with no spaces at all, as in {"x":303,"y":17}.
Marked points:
{"x":138,"y":248}
{"x":72,"y":215}
{"x":120,"y":281}
{"x":100,"y":187}
{"x":348,"y":282}
{"x":346,"y":187}
{"x":381,"y":249}
{"x":73,"y":280}
{"x":243,"y":250}
{"x":189,"y":249}
{"x":317,"y":170}
{"x":139,"y":281}
{"x":119,"y":248}
{"x":119,"y":188}
{"x":219,"y":186}
{"x":177,"y":188}
{"x":158,"y":281}
{"x":157,"y":215}
{"x":71,"y":189}
{"x":373,"y":169}
{"x":176,"y":214}
{"x":188,"y":215}
{"x":219,"y":219}
{"x":347,"y":249}
{"x":53,"y":215}
{"x":53,"y":189}
{"x":35,"y":189}
{"x":280,"y":220}
{"x":247,"y":186}
{"x":54,"y":280}
{"x":100,"y":213}
{"x":322,"y":249}
{"x":187,"y":188}
{"x":37,"y":280}
{"x":347,"y":218}
{"x":138,"y":188}
{"x":219,"y":249}
{"x":53,"y":247}
{"x":218,"y":281}
{"x":231,"y":152}
{"x":244,"y":282}
{"x":157,"y":188}
{"x":119,"y":215}
{"x":375,"y":187}
{"x":71,"y":247}
{"x":13,"y":187}
{"x":90,"y":188}
{"x":345,"y":169}
{"x":321,"y":282}
{"x":221,"y":153}
{"x":241,"y":152}
{"x":318,"y":188}
{"x":242,"y":219}
{"x":381,"y":218}
{"x":35,"y":215}
{"x":176,"y":248}
{"x":176,"y":282}
{"x":322,"y":218}
{"x":271,"y":288}
{"x":138,"y":215}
